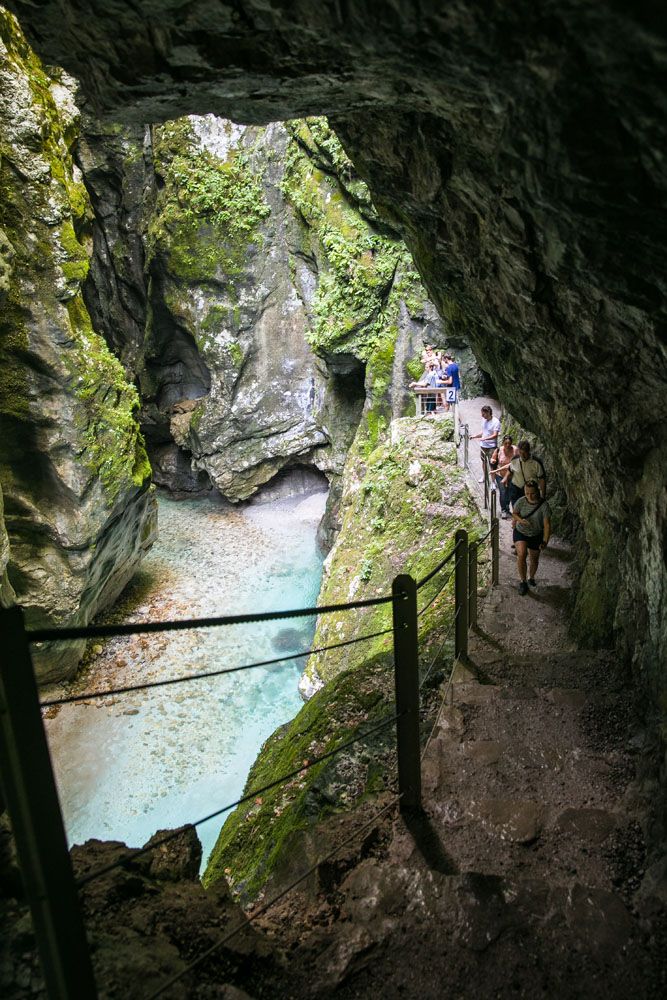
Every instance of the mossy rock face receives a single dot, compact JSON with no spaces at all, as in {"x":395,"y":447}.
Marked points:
{"x":401,"y":507}
{"x":280,"y":305}
{"x":258,"y":838}
{"x":73,"y":468}
{"x":400,"y":510}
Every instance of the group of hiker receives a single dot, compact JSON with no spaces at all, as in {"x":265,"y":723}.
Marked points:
{"x":441,"y":371}
{"x":520,"y":480}
{"x":513,"y":471}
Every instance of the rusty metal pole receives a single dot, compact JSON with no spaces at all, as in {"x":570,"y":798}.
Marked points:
{"x":406,"y":678}
{"x":34,"y":811}
{"x":461,"y":595}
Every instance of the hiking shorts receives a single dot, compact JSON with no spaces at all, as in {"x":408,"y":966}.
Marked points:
{"x":532,"y":541}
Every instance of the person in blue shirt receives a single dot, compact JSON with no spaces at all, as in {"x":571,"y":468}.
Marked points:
{"x":451,"y":375}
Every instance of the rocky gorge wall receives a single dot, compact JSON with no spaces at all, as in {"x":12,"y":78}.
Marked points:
{"x":517,"y":149}
{"x":246,"y":285}
{"x":273,"y":298}
{"x":78,"y":509}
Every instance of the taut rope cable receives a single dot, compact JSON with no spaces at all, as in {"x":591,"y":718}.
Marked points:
{"x":232,"y":805}
{"x":136,"y":628}
{"x":436,"y":595}
{"x":437,"y":568}
{"x":270,"y":903}
{"x":209,"y":673}
{"x":442,"y":705}
{"x":426,"y":676}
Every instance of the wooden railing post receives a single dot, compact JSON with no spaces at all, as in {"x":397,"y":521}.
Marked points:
{"x":461,"y":594}
{"x":466,"y":442}
{"x":406,"y":676}
{"x":472,"y":585}
{"x":495,"y":552}
{"x":34,"y":811}
{"x":494,"y":505}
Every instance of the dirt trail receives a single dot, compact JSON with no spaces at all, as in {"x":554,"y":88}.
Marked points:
{"x":520,"y":879}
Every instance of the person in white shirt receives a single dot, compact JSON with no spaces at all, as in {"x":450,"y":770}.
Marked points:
{"x":522,"y":468}
{"x":489,"y":437}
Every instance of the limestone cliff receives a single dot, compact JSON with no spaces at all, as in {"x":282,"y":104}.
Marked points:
{"x":74,"y":473}
{"x":278,"y":304}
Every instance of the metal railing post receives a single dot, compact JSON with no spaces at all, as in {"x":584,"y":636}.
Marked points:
{"x":495,"y":551}
{"x":485,"y":473}
{"x":406,"y":676}
{"x":466,"y":442}
{"x":472,"y":585}
{"x":461,"y":595}
{"x":34,"y":811}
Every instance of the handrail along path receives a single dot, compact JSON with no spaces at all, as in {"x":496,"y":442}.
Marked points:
{"x":27,"y":774}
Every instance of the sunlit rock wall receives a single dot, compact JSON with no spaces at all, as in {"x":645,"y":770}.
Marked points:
{"x":75,"y":477}
{"x":279,"y":305}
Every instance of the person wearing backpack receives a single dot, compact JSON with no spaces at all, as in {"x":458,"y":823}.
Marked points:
{"x":531,"y":520}
{"x":520,"y":470}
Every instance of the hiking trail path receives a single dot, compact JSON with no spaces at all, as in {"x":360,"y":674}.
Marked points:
{"x":520,"y":878}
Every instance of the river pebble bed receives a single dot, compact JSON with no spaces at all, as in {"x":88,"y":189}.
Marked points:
{"x":131,"y":764}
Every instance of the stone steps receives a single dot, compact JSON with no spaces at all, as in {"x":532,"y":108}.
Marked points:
{"x":568,"y":669}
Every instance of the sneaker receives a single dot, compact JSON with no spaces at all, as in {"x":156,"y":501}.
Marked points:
{"x":532,"y":581}
{"x":504,"y":515}
{"x":523,"y":588}
{"x":481,"y":479}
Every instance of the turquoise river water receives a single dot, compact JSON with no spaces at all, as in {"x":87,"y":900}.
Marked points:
{"x":132,"y":764}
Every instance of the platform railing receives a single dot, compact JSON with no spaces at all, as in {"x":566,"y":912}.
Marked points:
{"x":27,"y":775}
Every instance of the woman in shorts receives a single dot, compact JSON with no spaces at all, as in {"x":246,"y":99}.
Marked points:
{"x":531,"y":521}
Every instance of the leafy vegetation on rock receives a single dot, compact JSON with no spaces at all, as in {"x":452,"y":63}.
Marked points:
{"x":209,"y":209}
{"x":401,"y":508}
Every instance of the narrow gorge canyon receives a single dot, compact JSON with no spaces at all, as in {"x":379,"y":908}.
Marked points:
{"x":227,"y":233}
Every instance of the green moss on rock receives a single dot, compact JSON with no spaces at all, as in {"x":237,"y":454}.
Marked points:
{"x":356,"y":303}
{"x":399,"y":514}
{"x":113,"y":448}
{"x":209,"y":210}
{"x":259,"y":836}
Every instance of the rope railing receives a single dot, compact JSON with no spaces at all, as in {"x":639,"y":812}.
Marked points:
{"x":139,"y":628}
{"x":248,"y":797}
{"x":205,"y":675}
{"x":434,"y":572}
{"x":436,"y":595}
{"x":30,"y":790}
